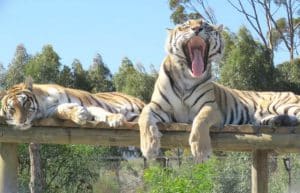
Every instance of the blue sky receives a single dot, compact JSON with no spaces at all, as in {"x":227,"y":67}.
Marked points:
{"x":80,"y":29}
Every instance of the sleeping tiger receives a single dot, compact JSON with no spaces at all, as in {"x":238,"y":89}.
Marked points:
{"x":26,"y":102}
{"x":184,"y":92}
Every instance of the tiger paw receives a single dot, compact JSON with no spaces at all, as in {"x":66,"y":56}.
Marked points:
{"x":74,"y":112}
{"x":201,"y":152}
{"x":283,"y":120}
{"x":150,"y":142}
{"x":80,"y":115}
{"x":113,"y":120}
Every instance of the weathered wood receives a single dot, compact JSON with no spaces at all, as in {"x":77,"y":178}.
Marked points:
{"x":260,"y":171}
{"x":37,"y":182}
{"x":242,"y":129}
{"x":230,"y":138}
{"x":8,"y":168}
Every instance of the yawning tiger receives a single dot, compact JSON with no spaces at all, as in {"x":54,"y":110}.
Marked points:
{"x":184,"y":92}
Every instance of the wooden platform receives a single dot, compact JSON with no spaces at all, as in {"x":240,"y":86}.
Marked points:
{"x":259,"y":140}
{"x":230,"y":138}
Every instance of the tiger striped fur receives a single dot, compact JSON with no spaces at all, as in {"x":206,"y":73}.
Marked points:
{"x":185,"y":92}
{"x":26,"y":102}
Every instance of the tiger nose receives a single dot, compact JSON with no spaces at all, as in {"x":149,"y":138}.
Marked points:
{"x":197,"y":29}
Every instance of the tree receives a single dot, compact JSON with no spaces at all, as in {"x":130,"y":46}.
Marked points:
{"x":182,"y":10}
{"x":125,"y":69}
{"x":247,"y":63}
{"x":287,"y":76}
{"x":80,"y":76}
{"x":273,"y":29}
{"x":99,"y":76}
{"x":44,"y":66}
{"x":15,"y":73}
{"x":66,"y":77}
{"x":135,"y":82}
{"x":2,"y":76}
{"x":66,"y":168}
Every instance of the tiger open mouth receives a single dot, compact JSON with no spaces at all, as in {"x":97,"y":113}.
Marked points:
{"x":196,"y":53}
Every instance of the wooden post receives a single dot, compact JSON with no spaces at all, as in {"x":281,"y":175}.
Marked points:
{"x":8,"y":168}
{"x":37,"y":182}
{"x":260,"y":171}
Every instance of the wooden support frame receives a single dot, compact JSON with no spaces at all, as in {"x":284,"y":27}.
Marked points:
{"x":231,"y":138}
{"x":8,"y":168}
{"x":260,"y":171}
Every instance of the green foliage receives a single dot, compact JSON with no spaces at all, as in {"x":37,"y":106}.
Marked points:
{"x":67,"y":168}
{"x":125,"y":69}
{"x":247,"y":64}
{"x":23,"y":168}
{"x":107,"y":184}
{"x":179,"y":15}
{"x":44,"y":67}
{"x":80,"y":76}
{"x":66,"y":77}
{"x":279,"y":177}
{"x":284,"y":28}
{"x":15,"y":73}
{"x":233,"y":173}
{"x":188,"y":178}
{"x":230,"y":40}
{"x":287,"y":76}
{"x":99,"y":76}
{"x":183,"y":10}
{"x":2,"y":77}
{"x":135,"y":82}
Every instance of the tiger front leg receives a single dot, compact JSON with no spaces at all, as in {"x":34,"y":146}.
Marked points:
{"x":74,"y":112}
{"x":101,"y":115}
{"x":149,"y":133}
{"x":199,"y":139}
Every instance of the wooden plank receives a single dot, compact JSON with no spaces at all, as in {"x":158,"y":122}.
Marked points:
{"x":242,"y":129}
{"x":8,"y":168}
{"x":130,"y":137}
{"x":260,"y":171}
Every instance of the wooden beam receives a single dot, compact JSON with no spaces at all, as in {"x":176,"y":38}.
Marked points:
{"x":260,"y":171}
{"x":230,"y":138}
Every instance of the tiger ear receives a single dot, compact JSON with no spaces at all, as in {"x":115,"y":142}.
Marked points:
{"x":28,"y":83}
{"x":219,"y":28}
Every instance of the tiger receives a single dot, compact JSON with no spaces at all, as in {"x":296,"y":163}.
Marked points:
{"x":25,"y":102}
{"x":185,"y":92}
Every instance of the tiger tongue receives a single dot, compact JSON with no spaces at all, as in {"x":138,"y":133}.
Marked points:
{"x":197,"y":63}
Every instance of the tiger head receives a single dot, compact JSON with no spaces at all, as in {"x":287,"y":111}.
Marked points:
{"x":19,"y":107}
{"x":196,"y":44}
